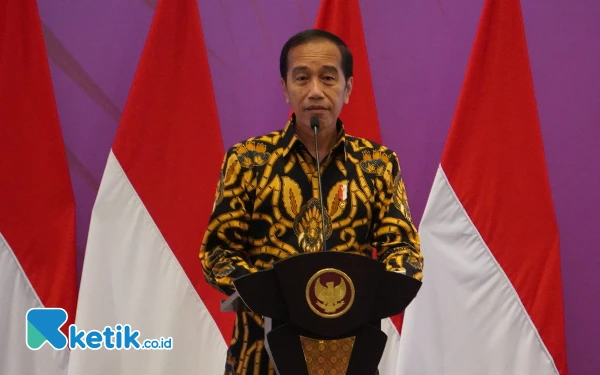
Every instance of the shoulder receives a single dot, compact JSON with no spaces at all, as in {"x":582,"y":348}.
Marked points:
{"x":368,"y":151}
{"x":375,"y":160}
{"x":255,"y":151}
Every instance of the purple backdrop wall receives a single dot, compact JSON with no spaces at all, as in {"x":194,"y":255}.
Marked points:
{"x":418,"y":52}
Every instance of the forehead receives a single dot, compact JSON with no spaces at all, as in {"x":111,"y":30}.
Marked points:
{"x":315,"y":54}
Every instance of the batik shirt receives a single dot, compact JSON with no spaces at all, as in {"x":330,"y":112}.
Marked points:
{"x":267,"y":208}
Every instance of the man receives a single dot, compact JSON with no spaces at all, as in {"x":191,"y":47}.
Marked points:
{"x":267,"y":204}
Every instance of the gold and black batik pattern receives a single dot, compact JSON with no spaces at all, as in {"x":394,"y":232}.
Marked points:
{"x":267,"y":208}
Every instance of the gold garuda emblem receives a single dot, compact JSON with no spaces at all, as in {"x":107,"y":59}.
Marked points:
{"x":330,"y":293}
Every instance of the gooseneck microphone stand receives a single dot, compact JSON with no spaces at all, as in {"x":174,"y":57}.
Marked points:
{"x":314,"y":124}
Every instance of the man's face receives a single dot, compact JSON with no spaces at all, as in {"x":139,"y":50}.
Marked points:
{"x":316,"y":85}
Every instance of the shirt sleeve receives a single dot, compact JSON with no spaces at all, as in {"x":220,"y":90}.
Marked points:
{"x":394,"y":235}
{"x":222,"y":253}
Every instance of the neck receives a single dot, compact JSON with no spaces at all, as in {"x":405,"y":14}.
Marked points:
{"x":327,"y":139}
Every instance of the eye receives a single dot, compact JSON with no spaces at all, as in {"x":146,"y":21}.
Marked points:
{"x":329,"y":78}
{"x":301,"y":78}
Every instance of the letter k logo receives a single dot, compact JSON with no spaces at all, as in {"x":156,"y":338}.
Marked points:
{"x":43,"y":324}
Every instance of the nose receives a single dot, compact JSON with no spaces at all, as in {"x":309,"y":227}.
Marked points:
{"x":316,"y":90}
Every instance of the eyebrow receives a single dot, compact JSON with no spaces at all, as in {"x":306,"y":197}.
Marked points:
{"x":329,"y":69}
{"x":324,"y":68}
{"x":299,"y":69}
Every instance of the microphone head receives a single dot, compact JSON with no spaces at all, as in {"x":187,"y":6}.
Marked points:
{"x":314,"y":122}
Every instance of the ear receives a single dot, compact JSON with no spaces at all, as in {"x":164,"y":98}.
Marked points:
{"x":348,"y":90}
{"x":285,"y":91}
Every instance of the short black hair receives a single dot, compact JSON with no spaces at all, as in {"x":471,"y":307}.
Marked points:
{"x":311,"y":35}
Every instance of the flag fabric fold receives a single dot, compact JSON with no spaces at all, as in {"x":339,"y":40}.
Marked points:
{"x":491,"y":301}
{"x":141,"y":266}
{"x":37,"y":214}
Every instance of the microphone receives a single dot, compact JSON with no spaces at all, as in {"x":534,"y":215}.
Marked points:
{"x":314,"y":124}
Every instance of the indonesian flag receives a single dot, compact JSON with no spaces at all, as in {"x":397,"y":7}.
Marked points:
{"x":342,"y":18}
{"x":141,"y":266}
{"x":37,"y":207}
{"x":491,"y":301}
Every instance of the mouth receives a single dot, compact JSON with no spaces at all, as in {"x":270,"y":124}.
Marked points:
{"x":316,"y":108}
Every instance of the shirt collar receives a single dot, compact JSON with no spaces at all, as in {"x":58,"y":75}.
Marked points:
{"x":289,"y":137}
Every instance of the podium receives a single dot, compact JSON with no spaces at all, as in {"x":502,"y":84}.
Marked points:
{"x":323,"y":311}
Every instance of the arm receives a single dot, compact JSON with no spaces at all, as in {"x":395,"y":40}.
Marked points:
{"x":393,"y":232}
{"x":222,"y":252}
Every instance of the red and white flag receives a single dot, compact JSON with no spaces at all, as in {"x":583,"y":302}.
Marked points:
{"x":491,"y":301}
{"x":141,"y":265}
{"x":343,"y":18}
{"x":37,"y":206}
